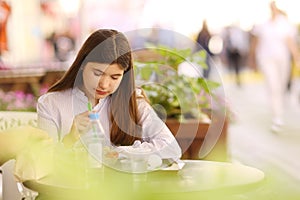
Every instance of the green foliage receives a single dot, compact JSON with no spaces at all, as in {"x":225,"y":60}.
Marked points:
{"x":173,"y":56}
{"x":180,"y":96}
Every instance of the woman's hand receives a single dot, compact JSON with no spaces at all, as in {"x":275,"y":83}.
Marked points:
{"x":81,"y":122}
{"x":79,"y":126}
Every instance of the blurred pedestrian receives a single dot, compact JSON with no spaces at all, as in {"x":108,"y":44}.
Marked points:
{"x":236,"y":45}
{"x":203,"y":39}
{"x":273,"y":45}
{"x":63,"y":45}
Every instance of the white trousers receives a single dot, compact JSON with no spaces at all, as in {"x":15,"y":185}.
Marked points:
{"x":276,"y":72}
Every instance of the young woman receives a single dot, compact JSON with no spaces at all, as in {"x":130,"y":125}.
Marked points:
{"x":103,"y":74}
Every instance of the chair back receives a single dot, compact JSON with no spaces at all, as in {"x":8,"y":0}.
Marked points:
{"x":12,"y":190}
{"x":10,"y":119}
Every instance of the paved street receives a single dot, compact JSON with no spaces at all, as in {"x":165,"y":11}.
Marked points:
{"x":252,"y":143}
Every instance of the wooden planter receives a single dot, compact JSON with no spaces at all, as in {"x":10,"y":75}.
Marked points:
{"x":190,"y":136}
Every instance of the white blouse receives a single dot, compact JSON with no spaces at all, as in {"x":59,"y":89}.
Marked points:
{"x":272,"y":36}
{"x":56,"y":111}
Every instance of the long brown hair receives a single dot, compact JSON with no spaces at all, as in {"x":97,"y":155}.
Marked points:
{"x":112,"y":47}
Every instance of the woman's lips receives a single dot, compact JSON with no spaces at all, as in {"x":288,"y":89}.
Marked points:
{"x":101,"y":92}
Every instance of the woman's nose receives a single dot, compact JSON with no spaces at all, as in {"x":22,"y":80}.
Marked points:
{"x":103,"y":82}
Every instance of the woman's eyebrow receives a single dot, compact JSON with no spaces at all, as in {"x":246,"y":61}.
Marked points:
{"x":99,"y":70}
{"x":116,"y":74}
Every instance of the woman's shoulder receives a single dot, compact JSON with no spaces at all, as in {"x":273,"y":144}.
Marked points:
{"x":56,"y":96}
{"x":142,"y":100}
{"x":139,"y":92}
{"x":141,"y":95}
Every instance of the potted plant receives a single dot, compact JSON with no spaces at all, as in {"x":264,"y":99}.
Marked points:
{"x":185,"y":103}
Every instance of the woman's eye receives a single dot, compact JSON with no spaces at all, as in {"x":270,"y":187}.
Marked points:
{"x":114,"y":78}
{"x":98,"y":73}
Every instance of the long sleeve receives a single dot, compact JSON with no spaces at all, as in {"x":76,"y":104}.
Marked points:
{"x":46,"y":119}
{"x":56,"y":111}
{"x":156,"y":134}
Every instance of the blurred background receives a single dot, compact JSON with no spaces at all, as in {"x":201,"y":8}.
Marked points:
{"x":39,"y":39}
{"x":33,"y":25}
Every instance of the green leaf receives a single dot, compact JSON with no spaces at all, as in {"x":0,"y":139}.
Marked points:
{"x":179,"y":95}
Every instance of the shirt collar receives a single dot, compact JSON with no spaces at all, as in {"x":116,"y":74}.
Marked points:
{"x":79,"y":94}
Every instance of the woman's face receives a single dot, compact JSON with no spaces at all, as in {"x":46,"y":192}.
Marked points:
{"x":101,"y":80}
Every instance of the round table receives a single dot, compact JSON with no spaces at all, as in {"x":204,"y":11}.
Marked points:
{"x":197,"y":178}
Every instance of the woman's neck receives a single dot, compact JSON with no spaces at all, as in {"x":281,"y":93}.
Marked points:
{"x":90,"y":98}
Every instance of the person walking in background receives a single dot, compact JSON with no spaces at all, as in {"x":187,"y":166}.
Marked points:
{"x":273,"y":44}
{"x":203,"y":39}
{"x":236,"y":46}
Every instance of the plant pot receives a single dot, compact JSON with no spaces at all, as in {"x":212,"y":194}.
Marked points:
{"x":190,"y":136}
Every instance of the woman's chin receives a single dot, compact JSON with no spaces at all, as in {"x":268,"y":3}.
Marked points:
{"x":100,"y":96}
